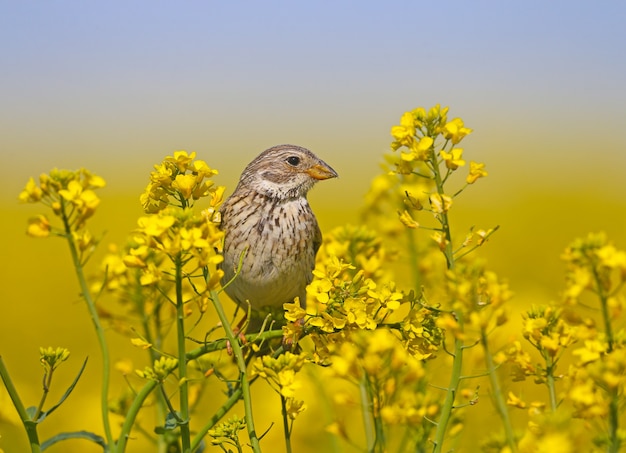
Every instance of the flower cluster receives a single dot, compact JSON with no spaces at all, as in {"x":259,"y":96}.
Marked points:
{"x":546,"y":329}
{"x":379,"y":363}
{"x":179,"y":180}
{"x":51,"y":358}
{"x":227,"y":433}
{"x":174,"y":233}
{"x":595,"y":265}
{"x":71,"y":197}
{"x":400,"y":357}
{"x":595,"y":380}
{"x":360,"y":246}
{"x":417,"y":137}
{"x":282,"y":375}
{"x":160,"y":370}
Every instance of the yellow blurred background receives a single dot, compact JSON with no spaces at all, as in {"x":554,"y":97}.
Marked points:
{"x":115,"y":87}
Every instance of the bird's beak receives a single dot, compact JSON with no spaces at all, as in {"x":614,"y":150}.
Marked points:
{"x":321,"y":171}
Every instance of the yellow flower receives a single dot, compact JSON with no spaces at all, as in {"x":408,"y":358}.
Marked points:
{"x":294,"y":407}
{"x":150,"y":276}
{"x":611,"y":257}
{"x":319,"y":289}
{"x":51,"y":358}
{"x":140,"y":343}
{"x":163,"y":175}
{"x":31,"y":193}
{"x":440,"y":239}
{"x":404,"y":133}
{"x":38,"y":227}
{"x":185,"y":185}
{"x":280,"y":372}
{"x":155,"y":226}
{"x":407,"y":220}
{"x":214,"y":280}
{"x":592,"y":351}
{"x":181,"y":159}
{"x":161,"y":369}
{"x":515,"y":401}
{"x":455,"y":131}
{"x":193,"y":237}
{"x":418,"y":149}
{"x":84,"y":240}
{"x":124,"y":366}
{"x":227,"y":432}
{"x":327,"y":323}
{"x":293,"y":311}
{"x":551,"y":344}
{"x":440,"y":203}
{"x":436,"y":113}
{"x":202,"y":170}
{"x":453,"y":158}
{"x":477,"y":170}
{"x":73,"y":192}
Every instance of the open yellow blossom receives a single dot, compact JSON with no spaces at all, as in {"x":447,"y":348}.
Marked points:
{"x":514,"y":400}
{"x":418,"y":149}
{"x":611,"y":257}
{"x":193,"y":238}
{"x":155,"y":226}
{"x":181,"y":159}
{"x":407,"y":220}
{"x":591,"y":352}
{"x":477,"y":170}
{"x":453,"y":159}
{"x":31,"y":193}
{"x":38,"y":227}
{"x":440,"y":203}
{"x":455,"y":131}
{"x":404,"y":133}
{"x":184,"y":184}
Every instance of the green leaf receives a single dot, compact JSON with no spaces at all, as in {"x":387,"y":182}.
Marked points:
{"x":66,"y":394}
{"x":172,"y":421}
{"x":31,"y":411}
{"x":74,"y":435}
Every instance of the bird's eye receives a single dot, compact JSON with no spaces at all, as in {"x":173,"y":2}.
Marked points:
{"x":293,"y":161}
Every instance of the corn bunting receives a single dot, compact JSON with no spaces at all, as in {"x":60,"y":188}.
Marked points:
{"x":271,"y":234}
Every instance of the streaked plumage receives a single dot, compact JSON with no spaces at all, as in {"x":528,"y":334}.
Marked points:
{"x":269,"y":224}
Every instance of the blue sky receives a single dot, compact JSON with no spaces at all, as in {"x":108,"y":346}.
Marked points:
{"x":125,"y":83}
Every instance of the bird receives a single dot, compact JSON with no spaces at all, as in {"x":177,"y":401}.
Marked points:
{"x":271,"y":236}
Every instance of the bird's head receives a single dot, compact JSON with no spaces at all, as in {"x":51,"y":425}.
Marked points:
{"x":285,"y":171}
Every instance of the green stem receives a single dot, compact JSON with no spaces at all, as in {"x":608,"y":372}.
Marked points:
{"x":29,"y":425}
{"x":243,"y":375}
{"x":443,"y":217}
{"x":139,"y":299}
{"x":46,"y":388}
{"x":368,"y":417}
{"x":131,"y":415}
{"x":185,"y":434}
{"x":551,"y":382}
{"x":286,"y":429}
{"x":614,"y":436}
{"x":93,"y":312}
{"x":457,"y":362}
{"x":218,"y":345}
{"x":217,"y":416}
{"x":498,"y":395}
{"x":413,"y":256}
{"x":448,"y":404}
{"x":604,"y":303}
